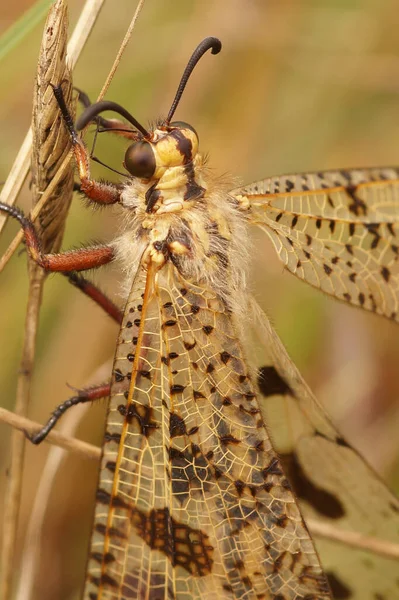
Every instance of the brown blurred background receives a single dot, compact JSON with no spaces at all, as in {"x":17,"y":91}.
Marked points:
{"x":299,"y":86}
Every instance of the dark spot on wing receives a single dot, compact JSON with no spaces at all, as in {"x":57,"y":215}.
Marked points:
{"x":270,"y":382}
{"x":339,"y":589}
{"x":323,"y":501}
{"x":177,"y":426}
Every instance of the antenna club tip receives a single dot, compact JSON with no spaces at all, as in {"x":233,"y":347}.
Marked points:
{"x":216,"y":45}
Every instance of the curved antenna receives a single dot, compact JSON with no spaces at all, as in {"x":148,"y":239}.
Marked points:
{"x":98,"y":107}
{"x":208,"y":43}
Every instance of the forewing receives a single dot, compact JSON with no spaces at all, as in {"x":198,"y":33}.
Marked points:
{"x":337,"y":230}
{"x":192,"y":501}
{"x":332,"y":481}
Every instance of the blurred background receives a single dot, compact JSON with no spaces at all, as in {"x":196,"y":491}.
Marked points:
{"x":299,"y":86}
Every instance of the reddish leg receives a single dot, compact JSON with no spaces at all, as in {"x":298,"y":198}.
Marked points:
{"x":73,"y":260}
{"x":85,"y":395}
{"x":93,"y":292}
{"x":100,"y":192}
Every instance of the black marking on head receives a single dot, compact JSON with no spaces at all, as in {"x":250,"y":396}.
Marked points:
{"x":339,"y":589}
{"x":183,"y":144}
{"x":323,"y":501}
{"x":270,"y":382}
{"x":177,"y":425}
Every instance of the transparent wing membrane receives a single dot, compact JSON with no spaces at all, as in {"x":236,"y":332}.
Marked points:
{"x":331,"y":480}
{"x":337,"y":230}
{"x":194,"y":504}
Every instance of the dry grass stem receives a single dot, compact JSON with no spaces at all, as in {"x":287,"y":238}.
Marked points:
{"x":121,"y":50}
{"x":84,"y":449}
{"x":353,"y":539}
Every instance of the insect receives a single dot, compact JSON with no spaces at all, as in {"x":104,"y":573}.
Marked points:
{"x":193,"y":500}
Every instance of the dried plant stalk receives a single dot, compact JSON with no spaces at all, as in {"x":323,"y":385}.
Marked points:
{"x":51,"y":144}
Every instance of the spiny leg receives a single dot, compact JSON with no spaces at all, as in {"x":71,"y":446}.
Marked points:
{"x":72,"y":260}
{"x":98,"y":296}
{"x":100,"y":192}
{"x":84,"y":395}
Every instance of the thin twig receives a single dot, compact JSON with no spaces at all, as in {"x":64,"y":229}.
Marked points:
{"x":30,"y":560}
{"x":84,"y":449}
{"x":353,"y":539}
{"x":121,"y":50}
{"x":317,"y":528}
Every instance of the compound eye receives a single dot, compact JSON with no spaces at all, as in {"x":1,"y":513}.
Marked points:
{"x":140,"y":160}
{"x":183,"y":125}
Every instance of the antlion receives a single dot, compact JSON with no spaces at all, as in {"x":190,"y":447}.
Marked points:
{"x":193,"y":500}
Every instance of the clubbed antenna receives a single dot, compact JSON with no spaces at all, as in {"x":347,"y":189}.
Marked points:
{"x":208,"y":43}
{"x":98,"y":107}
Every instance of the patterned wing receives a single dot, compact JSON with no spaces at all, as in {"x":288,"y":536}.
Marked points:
{"x":337,"y":230}
{"x":192,"y":501}
{"x":331,"y":480}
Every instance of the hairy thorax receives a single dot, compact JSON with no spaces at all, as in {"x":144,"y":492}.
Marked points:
{"x":186,"y":218}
